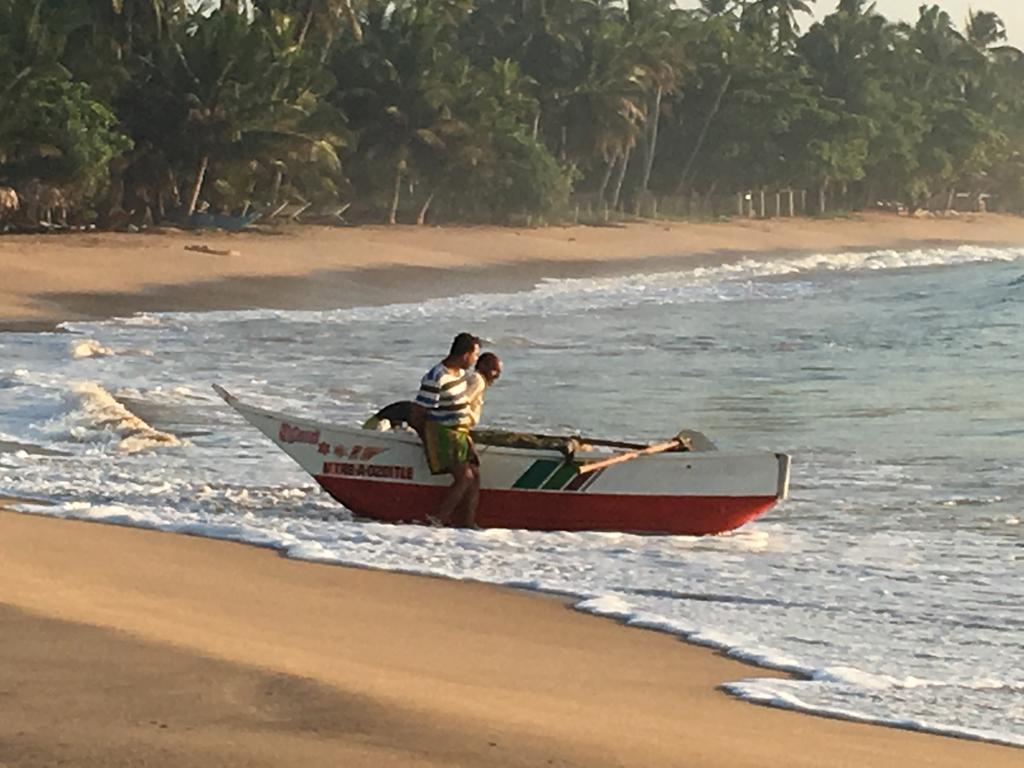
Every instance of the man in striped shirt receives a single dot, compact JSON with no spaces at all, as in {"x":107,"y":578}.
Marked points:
{"x":444,"y":398}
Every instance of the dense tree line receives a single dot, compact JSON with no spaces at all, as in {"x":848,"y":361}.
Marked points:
{"x":474,"y":110}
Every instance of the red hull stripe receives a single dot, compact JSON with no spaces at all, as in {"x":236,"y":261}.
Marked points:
{"x":553,"y":510}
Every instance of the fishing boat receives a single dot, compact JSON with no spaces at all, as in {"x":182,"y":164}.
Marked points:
{"x":682,"y":486}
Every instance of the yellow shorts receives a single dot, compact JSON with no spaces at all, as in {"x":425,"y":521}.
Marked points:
{"x":446,"y":447}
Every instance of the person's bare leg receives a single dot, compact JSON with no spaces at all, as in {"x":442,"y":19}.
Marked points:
{"x":463,"y":477}
{"x":465,"y":512}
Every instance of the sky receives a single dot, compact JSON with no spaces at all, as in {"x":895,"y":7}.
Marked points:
{"x":1010,"y":11}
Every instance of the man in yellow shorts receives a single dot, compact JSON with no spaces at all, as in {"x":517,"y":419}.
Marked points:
{"x":450,"y":397}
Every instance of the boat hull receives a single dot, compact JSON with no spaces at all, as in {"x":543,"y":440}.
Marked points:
{"x":555,"y":510}
{"x":384,"y":476}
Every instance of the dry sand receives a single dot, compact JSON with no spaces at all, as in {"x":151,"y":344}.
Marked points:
{"x":124,"y":647}
{"x":128,"y":647}
{"x":49,"y":278}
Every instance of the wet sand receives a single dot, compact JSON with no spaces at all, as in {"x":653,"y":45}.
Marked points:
{"x":129,"y":647}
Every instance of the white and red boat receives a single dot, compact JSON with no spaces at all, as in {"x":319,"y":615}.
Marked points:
{"x":684,"y":486}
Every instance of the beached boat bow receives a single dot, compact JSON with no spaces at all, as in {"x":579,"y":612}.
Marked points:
{"x":383,"y":475}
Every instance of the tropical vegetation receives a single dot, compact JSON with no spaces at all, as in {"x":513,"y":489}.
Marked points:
{"x":126,"y":112}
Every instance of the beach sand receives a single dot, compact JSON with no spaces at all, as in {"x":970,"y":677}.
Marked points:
{"x":129,"y":647}
{"x":50,"y":278}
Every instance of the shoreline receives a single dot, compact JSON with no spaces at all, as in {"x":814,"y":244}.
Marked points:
{"x":57,"y":278}
{"x":446,"y":672}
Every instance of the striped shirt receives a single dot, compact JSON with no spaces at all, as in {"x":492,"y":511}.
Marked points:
{"x":443,"y":393}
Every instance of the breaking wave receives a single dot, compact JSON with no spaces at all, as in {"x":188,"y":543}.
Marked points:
{"x":89,"y":348}
{"x":99,"y":413}
{"x":745,"y":279}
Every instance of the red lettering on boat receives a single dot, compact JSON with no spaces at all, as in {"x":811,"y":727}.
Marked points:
{"x":383,"y":471}
{"x":292,"y":434}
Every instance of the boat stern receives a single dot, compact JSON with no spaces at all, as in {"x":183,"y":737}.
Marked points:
{"x":782,"y":490}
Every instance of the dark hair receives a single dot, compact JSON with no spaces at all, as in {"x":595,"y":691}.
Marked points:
{"x":487,"y":360}
{"x":463,"y":343}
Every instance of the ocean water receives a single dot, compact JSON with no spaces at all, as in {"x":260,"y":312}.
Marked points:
{"x":890,"y":582}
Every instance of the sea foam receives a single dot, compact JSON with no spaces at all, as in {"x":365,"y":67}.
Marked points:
{"x":99,"y":413}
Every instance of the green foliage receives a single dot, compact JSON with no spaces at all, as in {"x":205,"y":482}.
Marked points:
{"x":496,"y":110}
{"x":52,"y":130}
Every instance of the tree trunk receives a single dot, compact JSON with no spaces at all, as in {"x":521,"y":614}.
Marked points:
{"x":606,"y":177}
{"x":353,"y":21}
{"x":703,"y":133}
{"x":204,"y":162}
{"x":707,"y":202}
{"x":421,"y":218}
{"x":536,"y":124}
{"x":276,"y":189}
{"x":821,"y":197}
{"x":790,"y":191}
{"x":651,"y":145}
{"x":396,"y":196}
{"x":175,"y":188}
{"x":116,"y":189}
{"x":305,"y":24}
{"x":622,"y":175}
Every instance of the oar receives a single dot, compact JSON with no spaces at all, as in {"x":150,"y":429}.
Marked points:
{"x":592,"y":466}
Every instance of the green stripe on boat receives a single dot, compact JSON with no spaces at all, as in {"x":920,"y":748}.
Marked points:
{"x":564,"y":474}
{"x":536,"y":474}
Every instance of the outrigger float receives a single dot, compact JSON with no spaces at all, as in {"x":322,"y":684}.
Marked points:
{"x":683,"y":486}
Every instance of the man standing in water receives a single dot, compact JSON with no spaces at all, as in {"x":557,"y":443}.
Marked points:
{"x":447,"y":400}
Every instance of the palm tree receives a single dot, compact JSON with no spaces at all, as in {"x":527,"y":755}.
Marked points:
{"x":659,"y":31}
{"x":985,"y":30}
{"x":781,"y":15}
{"x":397,"y":86}
{"x":224,"y":88}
